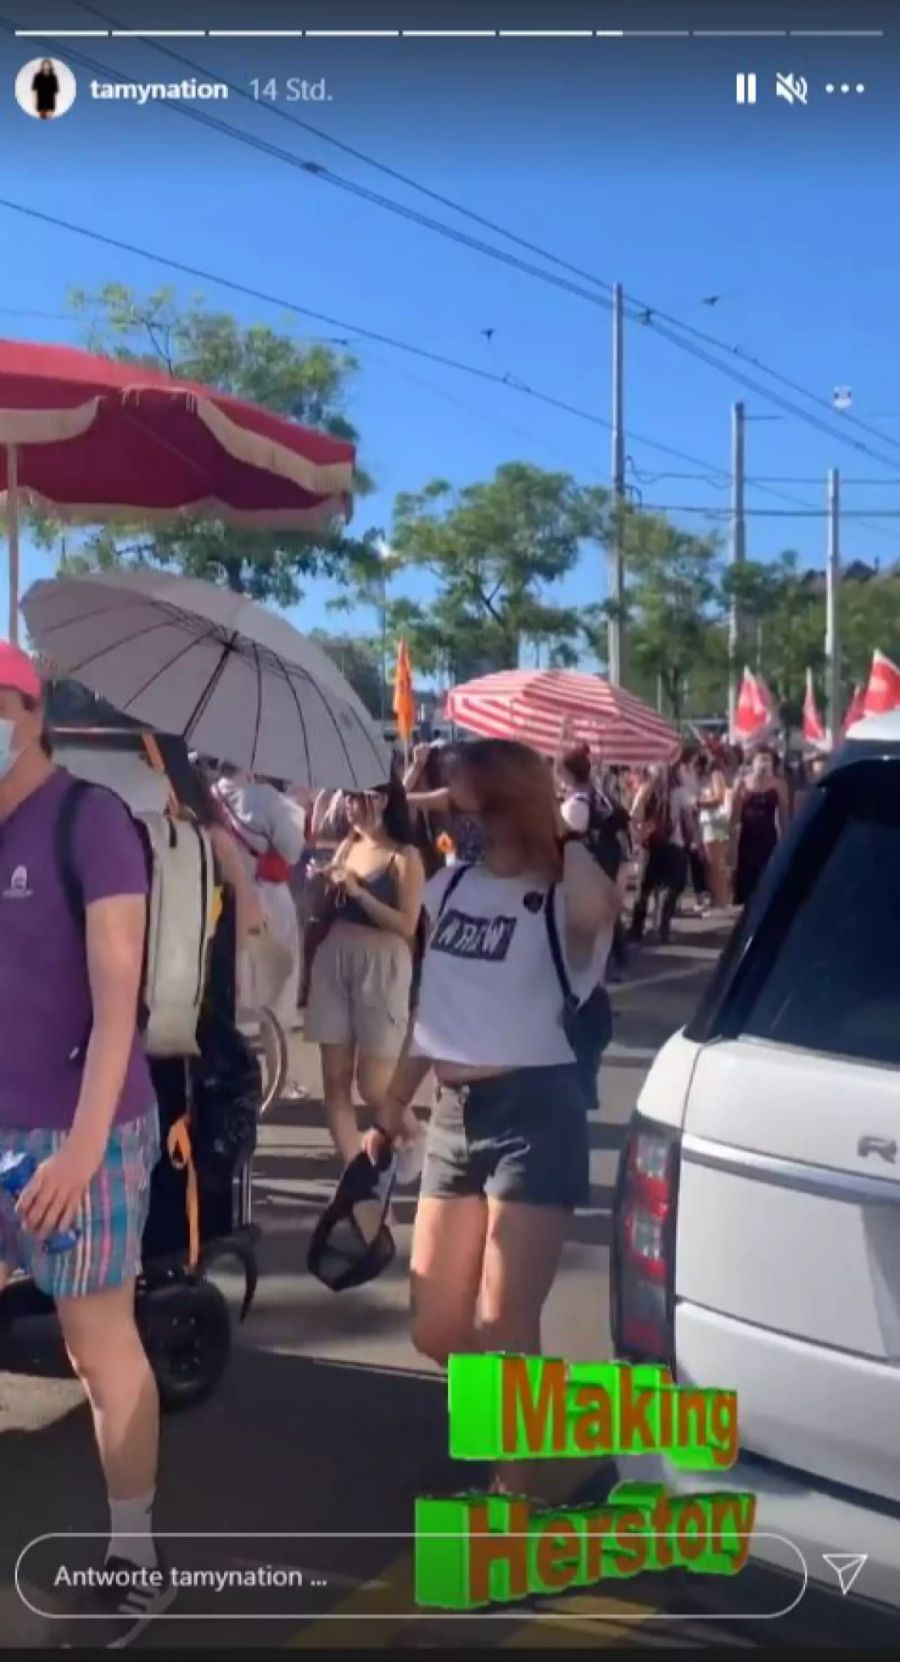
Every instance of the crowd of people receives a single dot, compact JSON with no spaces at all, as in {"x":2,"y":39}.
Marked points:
{"x":457,"y":925}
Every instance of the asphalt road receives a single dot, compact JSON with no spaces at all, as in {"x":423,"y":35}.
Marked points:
{"x":328,"y":1425}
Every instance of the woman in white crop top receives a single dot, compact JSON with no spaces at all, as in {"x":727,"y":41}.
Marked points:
{"x":507,"y":1150}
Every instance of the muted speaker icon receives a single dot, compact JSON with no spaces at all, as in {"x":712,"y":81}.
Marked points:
{"x":793,"y":88}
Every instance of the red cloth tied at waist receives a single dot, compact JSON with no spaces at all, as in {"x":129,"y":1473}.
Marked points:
{"x":271,"y":868}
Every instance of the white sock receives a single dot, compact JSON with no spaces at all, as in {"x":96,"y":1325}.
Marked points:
{"x":131,"y":1531}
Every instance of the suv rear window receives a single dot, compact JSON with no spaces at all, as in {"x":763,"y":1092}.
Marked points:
{"x":828,"y":979}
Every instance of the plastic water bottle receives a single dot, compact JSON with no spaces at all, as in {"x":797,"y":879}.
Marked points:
{"x":16,"y":1172}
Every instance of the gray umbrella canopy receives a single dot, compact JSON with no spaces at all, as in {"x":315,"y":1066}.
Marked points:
{"x":231,"y":678}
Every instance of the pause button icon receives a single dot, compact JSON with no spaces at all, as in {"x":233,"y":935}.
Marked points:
{"x":745,"y":89}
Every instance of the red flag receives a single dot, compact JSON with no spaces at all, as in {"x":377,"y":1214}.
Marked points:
{"x":813,"y":725}
{"x":883,"y":691}
{"x":752,"y":713}
{"x":856,"y":709}
{"x":766,"y":697}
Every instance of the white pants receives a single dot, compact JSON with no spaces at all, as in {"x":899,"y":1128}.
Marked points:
{"x":270,"y":970}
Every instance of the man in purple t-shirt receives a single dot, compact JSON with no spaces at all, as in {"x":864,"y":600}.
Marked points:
{"x":76,"y":1095}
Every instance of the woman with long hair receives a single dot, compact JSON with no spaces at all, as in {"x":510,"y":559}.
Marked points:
{"x":759,"y":818}
{"x":361,"y":977}
{"x":427,"y":782}
{"x":714,"y":806}
{"x":667,"y":829}
{"x":592,"y":814}
{"x":250,"y":916}
{"x":507,"y":1150}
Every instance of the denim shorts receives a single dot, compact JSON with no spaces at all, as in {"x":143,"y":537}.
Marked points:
{"x":110,"y":1221}
{"x":520,"y":1136}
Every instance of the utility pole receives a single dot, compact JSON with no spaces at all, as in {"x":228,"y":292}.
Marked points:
{"x":738,"y":550}
{"x":616,"y":574}
{"x":385,"y":555}
{"x":12,"y":532}
{"x":832,"y":607}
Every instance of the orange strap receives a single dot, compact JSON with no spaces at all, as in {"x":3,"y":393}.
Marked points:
{"x":154,"y":757}
{"x":180,"y":1153}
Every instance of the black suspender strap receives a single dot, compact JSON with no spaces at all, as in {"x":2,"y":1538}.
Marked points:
{"x":456,"y":878}
{"x":570,"y":1002}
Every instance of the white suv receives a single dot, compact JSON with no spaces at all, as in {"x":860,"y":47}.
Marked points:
{"x":757,"y":1218}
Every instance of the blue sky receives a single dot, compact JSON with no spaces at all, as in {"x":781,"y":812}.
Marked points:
{"x":629,"y":158}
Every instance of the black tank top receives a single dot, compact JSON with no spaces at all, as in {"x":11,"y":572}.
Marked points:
{"x":382,"y":887}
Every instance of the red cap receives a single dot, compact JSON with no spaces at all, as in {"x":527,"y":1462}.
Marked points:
{"x":18,"y":671}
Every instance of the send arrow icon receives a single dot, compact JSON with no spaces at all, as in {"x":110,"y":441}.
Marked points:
{"x":846,"y":1566}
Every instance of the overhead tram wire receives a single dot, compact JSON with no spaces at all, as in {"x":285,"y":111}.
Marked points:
{"x":768,"y":513}
{"x":360,"y":332}
{"x":314,"y":170}
{"x":637,"y":309}
{"x":510,"y":382}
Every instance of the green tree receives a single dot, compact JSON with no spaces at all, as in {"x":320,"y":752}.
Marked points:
{"x":672,"y":614}
{"x":870,"y":618}
{"x":307,"y":382}
{"x":494,"y":550}
{"x":359,"y":660}
{"x":783,"y":616}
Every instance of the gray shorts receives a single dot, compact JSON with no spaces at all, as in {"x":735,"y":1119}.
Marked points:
{"x":520,"y":1136}
{"x":359,"y":991}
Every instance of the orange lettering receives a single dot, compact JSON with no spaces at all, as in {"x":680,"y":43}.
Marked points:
{"x":597,"y":1527}
{"x":517,"y":1400}
{"x":557,"y":1556}
{"x":692,"y":1546}
{"x":631,"y":1541}
{"x":488,"y":1547}
{"x":634,"y":1416}
{"x":723,"y":1428}
{"x":662,"y":1519}
{"x":592,"y":1431}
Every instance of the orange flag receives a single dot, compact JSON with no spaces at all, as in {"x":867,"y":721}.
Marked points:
{"x":404,"y":699}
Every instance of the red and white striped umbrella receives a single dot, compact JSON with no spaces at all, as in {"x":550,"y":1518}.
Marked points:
{"x":551,"y":707}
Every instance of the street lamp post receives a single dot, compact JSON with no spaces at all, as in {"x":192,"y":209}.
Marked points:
{"x":385,"y":555}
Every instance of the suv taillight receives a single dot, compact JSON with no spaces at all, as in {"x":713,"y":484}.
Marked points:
{"x":642,"y":1280}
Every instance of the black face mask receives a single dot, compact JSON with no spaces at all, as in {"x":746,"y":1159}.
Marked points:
{"x":347,"y":1250}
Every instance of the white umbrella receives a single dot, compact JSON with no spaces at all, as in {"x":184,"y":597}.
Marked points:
{"x":234,"y":680}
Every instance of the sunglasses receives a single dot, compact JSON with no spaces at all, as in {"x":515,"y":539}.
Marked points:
{"x":367,"y":796}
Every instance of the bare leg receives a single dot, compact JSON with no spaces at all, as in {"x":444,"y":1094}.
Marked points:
{"x":718,"y":875}
{"x":521,"y":1257}
{"x":446,"y":1271}
{"x":337,"y":1089}
{"x":108,"y":1357}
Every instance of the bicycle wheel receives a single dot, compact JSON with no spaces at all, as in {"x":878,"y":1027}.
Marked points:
{"x":271,"y":1047}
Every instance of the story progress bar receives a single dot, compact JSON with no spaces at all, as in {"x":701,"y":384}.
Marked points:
{"x":451,"y":34}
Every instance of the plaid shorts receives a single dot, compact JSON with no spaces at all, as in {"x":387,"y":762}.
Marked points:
{"x":110,"y":1220}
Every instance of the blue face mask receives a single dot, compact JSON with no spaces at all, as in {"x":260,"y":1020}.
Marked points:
{"x":8,"y":754}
